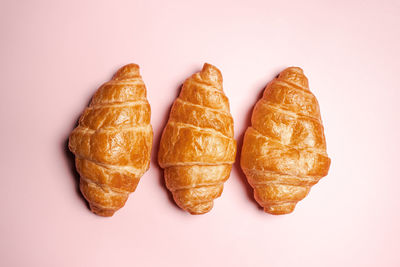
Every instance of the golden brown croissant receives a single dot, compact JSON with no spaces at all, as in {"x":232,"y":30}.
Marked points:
{"x":197,"y":148}
{"x":113,"y":140}
{"x":284,"y":151}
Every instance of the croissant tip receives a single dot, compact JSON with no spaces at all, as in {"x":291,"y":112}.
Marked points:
{"x":195,"y":209}
{"x":211,"y":73}
{"x":280,"y":209}
{"x":101,"y":212}
{"x":208,"y":65}
{"x":128,"y":71}
{"x":294,"y":75}
{"x":201,"y":208}
{"x":197,"y":213}
{"x":209,"y":68}
{"x":295,"y":69}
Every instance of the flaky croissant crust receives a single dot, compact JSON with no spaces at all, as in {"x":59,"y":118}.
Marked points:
{"x":284,"y":151}
{"x":197,"y":148}
{"x":113,"y":140}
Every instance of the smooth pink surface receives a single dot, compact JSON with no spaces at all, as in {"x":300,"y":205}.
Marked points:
{"x":55,"y":54}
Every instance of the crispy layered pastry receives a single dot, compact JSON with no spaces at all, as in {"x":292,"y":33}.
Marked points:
{"x":197,"y":148}
{"x":284,"y":150}
{"x":113,"y":141}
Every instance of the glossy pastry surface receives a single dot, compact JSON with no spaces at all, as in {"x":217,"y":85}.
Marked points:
{"x":113,"y":141}
{"x":197,"y":148}
{"x":284,"y":150}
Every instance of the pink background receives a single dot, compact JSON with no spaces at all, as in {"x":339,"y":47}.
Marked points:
{"x":54,"y":55}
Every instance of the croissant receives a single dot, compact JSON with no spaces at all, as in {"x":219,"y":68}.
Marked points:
{"x":284,"y":150}
{"x":112,"y":142}
{"x":197,"y":148}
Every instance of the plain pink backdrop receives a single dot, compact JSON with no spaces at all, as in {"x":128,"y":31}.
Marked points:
{"x":54,"y":55}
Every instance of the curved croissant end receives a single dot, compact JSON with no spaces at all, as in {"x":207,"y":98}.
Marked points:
{"x":212,"y":75}
{"x":295,"y":76}
{"x":284,"y":150}
{"x":128,"y":71}
{"x":194,"y":188}
{"x":197,"y":148}
{"x":113,"y":140}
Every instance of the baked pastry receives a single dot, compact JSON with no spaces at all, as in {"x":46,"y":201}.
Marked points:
{"x":197,"y":148}
{"x":113,"y":140}
{"x":284,"y":151}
